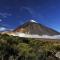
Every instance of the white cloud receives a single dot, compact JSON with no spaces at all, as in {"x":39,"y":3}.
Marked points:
{"x":36,"y":36}
{"x":30,"y":10}
{"x":5,"y":14}
{"x":2,"y":29}
{"x":5,"y":29}
{"x":0,"y":20}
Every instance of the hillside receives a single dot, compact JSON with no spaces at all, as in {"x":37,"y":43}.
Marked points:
{"x":16,"y":48}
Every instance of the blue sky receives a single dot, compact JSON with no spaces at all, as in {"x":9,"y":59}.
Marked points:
{"x":15,"y":12}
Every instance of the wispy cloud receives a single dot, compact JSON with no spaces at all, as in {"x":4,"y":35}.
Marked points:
{"x":30,"y":10}
{"x":0,"y":20}
{"x":5,"y":15}
{"x":2,"y":28}
{"x":37,"y":36}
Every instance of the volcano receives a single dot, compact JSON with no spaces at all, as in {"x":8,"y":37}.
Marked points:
{"x":34,"y":28}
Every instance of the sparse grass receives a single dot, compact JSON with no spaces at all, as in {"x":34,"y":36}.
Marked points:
{"x":28,"y":49}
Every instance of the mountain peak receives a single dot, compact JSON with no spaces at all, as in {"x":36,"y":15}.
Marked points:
{"x":33,"y":21}
{"x":32,"y":27}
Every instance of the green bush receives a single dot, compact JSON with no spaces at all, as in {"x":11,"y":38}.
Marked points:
{"x":16,"y":48}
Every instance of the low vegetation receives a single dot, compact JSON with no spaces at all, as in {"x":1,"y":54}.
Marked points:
{"x":16,"y":48}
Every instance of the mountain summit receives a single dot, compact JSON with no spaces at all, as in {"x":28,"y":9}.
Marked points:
{"x":33,"y":21}
{"x":34,"y":28}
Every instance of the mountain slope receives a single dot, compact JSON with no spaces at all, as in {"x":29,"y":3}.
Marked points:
{"x":32,"y":27}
